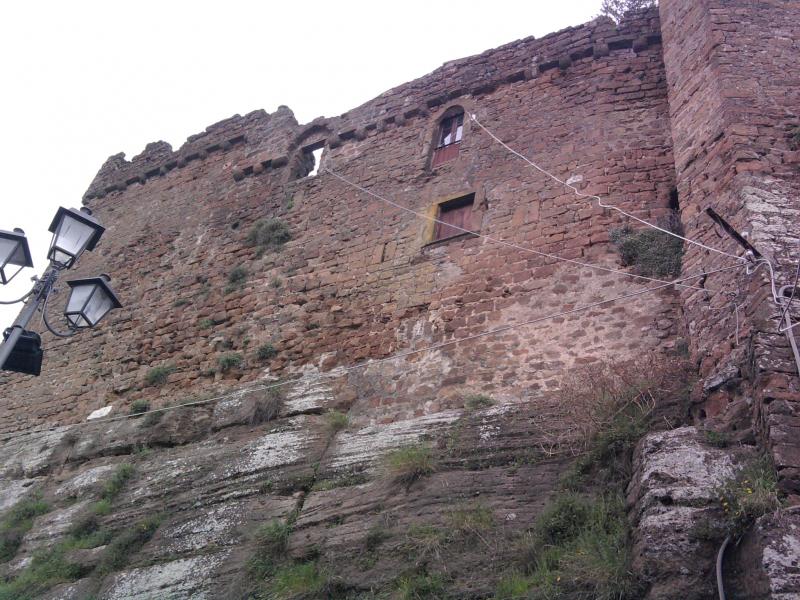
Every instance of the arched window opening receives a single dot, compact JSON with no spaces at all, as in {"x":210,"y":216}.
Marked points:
{"x":448,"y":137}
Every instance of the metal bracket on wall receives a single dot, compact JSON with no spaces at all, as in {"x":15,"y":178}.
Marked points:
{"x":733,"y":233}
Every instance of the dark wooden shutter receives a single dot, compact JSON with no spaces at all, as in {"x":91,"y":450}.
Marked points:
{"x":459,"y":215}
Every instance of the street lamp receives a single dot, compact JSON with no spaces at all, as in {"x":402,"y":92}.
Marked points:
{"x":74,"y":231}
{"x":14,"y":252}
{"x":89,"y":301}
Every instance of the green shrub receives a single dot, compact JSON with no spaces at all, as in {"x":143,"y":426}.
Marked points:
{"x":580,"y":548}
{"x":236,"y":279}
{"x":158,"y":375}
{"x":231,"y":360}
{"x":266,"y":352}
{"x":271,"y":542}
{"x":407,"y":464}
{"x":651,"y":252}
{"x":47,"y":568}
{"x":336,"y":421}
{"x":102,"y":507}
{"x":152,"y":418}
{"x":471,"y":520}
{"x":127,"y":543}
{"x":718,"y":439}
{"x":477,"y":402}
{"x":267,"y":406}
{"x":181,"y":302}
{"x":269,"y":234}
{"x":425,"y":541}
{"x":205,"y":323}
{"x":753,"y":492}
{"x":118,"y":480}
{"x":512,"y":586}
{"x":421,"y":586}
{"x":17,"y":523}
{"x":794,"y":139}
{"x":376,"y":535}
{"x":562,"y":520}
{"x":299,"y":580}
{"x":138,"y":407}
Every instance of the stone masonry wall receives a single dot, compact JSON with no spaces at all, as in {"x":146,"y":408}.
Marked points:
{"x":733,"y":94}
{"x":357,"y":281}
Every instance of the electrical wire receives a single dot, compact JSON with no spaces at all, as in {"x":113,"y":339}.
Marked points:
{"x":598,"y":198}
{"x":17,"y":300}
{"x":338,"y":372}
{"x":778,"y":301}
{"x":506,"y":243}
{"x":47,"y":322}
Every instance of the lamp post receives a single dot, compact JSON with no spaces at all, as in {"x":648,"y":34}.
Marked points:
{"x":74,"y":231}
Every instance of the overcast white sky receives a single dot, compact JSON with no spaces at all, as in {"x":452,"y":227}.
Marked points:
{"x":82,"y":80}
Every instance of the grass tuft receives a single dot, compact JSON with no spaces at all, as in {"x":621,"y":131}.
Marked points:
{"x":300,"y":580}
{"x":138,"y":407}
{"x":269,"y":234}
{"x":127,"y":543}
{"x":158,"y":375}
{"x":651,"y":252}
{"x":336,"y":421}
{"x":266,"y":352}
{"x":477,"y":401}
{"x":407,"y":464}
{"x":579,"y":549}
{"x":421,"y":586}
{"x":17,"y":523}
{"x":118,"y":480}
{"x":271,"y":541}
{"x":231,"y":360}
{"x":750,"y":495}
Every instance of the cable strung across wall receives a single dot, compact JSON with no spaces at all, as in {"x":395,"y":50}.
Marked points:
{"x":502,"y":242}
{"x":580,"y":194}
{"x":750,"y":261}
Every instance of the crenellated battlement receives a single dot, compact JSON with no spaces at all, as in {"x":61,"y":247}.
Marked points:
{"x":270,"y":139}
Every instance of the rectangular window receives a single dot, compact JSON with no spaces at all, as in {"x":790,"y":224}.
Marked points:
{"x":448,"y":139}
{"x":455,"y":216}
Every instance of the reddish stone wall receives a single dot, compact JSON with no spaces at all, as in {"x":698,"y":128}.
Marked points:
{"x":357,"y":281}
{"x":734,"y":93}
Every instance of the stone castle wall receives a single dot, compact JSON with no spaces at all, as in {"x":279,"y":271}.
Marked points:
{"x":358,"y":282}
{"x":734,"y":104}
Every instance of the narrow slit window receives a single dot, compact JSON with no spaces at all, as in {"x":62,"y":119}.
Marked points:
{"x":308,"y":162}
{"x":448,"y":139}
{"x":317,"y":156}
{"x":454,"y":217}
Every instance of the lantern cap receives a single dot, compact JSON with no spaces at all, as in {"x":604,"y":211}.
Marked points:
{"x":85,"y":216}
{"x":19,"y":235}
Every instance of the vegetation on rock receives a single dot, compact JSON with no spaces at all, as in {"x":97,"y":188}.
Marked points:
{"x":651,"y":252}
{"x":17,"y":523}
{"x":268,"y":234}
{"x":752,"y":493}
{"x":406,"y":464}
{"x":158,"y":376}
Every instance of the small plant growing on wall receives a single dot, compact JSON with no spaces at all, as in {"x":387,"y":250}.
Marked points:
{"x":231,"y":360}
{"x":268,"y":235}
{"x":236,"y":279}
{"x":407,"y":464}
{"x":266,"y":352}
{"x":158,"y":375}
{"x":139,"y":406}
{"x":794,"y":139}
{"x":651,"y":252}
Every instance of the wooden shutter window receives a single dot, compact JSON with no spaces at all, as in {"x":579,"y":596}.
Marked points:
{"x":448,"y":140}
{"x":456,"y":212}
